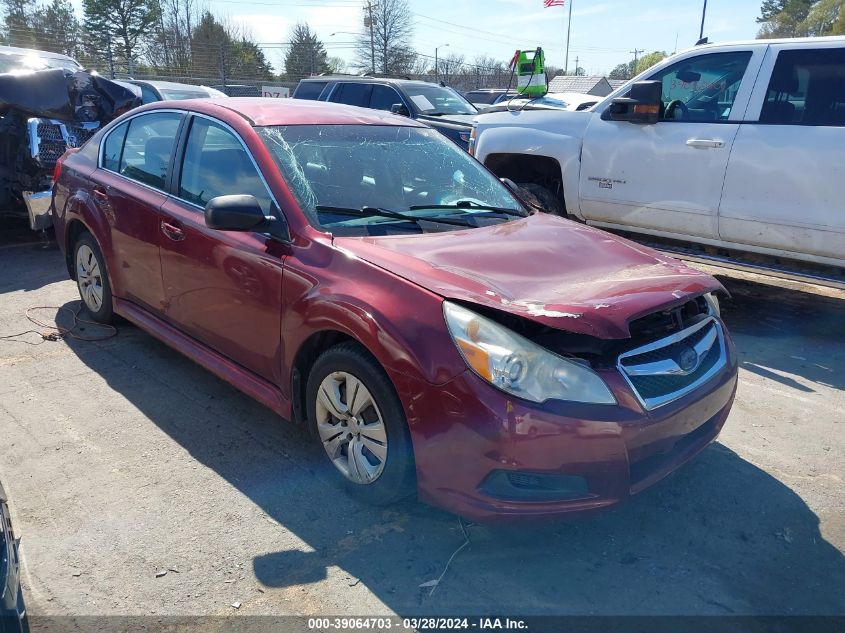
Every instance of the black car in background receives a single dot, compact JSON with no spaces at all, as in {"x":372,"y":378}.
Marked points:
{"x":438,"y":106}
{"x":12,"y":612}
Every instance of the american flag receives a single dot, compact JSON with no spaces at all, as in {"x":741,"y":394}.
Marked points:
{"x":553,"y":3}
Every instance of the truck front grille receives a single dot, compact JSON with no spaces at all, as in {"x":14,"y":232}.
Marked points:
{"x":672,"y":367}
{"x":48,"y":138}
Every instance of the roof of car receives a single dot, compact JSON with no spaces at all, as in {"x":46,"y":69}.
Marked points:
{"x":167,"y":84}
{"x":368,"y":79}
{"x":14,"y":50}
{"x":267,"y":111}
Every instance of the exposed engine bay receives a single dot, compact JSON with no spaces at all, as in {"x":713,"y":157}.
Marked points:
{"x":42,"y":114}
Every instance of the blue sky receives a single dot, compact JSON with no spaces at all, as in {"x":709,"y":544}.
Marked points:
{"x":603,"y":31}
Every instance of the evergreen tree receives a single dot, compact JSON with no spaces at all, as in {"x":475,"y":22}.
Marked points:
{"x":17,"y":22}
{"x":119,"y":25}
{"x":306,"y":55}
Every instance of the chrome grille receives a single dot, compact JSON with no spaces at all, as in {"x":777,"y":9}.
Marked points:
{"x":48,"y":138}
{"x":671,"y":367}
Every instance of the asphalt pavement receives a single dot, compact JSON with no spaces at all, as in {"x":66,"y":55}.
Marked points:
{"x":141,"y":484}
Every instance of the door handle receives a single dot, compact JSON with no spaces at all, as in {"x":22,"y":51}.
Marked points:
{"x":172,"y":231}
{"x":705,"y":143}
{"x":100,"y":194}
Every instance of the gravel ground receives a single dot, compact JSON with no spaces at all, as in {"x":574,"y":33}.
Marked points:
{"x":124,"y":460}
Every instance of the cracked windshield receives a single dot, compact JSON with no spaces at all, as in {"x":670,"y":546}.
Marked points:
{"x":383,"y":180}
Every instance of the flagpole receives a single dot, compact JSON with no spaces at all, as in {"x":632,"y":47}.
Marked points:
{"x":568,"y":30}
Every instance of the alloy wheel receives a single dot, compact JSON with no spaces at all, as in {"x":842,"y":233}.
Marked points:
{"x":351,"y":427}
{"x":89,"y":277}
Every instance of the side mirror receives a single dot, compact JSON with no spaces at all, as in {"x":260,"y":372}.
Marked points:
{"x":642,"y":105}
{"x":234,"y":213}
{"x":243,"y":213}
{"x":400,"y":108}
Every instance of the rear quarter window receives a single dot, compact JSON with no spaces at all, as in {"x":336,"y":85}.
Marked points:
{"x":113,"y":147}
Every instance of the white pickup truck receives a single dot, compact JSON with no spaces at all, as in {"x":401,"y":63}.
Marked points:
{"x":732,"y":148}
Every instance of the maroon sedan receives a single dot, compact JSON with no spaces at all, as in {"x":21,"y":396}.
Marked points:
{"x":359,"y":274}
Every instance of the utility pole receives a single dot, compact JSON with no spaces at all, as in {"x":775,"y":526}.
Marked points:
{"x":372,"y":36}
{"x":703,"y":14}
{"x":568,"y":31}
{"x":576,"y":66}
{"x":636,"y":53}
{"x":223,"y":65}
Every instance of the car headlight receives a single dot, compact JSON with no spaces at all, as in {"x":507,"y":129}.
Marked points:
{"x":712,"y":302}
{"x":518,"y":366}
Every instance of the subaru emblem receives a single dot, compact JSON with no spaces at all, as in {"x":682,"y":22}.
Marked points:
{"x":688,"y":359}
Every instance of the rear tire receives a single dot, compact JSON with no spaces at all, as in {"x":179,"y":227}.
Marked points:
{"x":542,"y":198}
{"x":360,"y":424}
{"x":92,"y":280}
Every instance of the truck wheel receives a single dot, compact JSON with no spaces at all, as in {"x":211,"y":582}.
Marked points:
{"x":545,"y":199}
{"x":361,"y":425}
{"x":92,"y":279}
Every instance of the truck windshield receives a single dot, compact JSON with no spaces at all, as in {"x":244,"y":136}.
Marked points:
{"x":357,"y":179}
{"x":434,"y":100}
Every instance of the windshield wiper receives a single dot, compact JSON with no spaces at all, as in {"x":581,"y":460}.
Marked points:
{"x":388,"y":213}
{"x":468,"y":204}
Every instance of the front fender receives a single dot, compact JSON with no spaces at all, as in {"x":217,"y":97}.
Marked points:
{"x":527,"y":142}
{"x":401,"y":324}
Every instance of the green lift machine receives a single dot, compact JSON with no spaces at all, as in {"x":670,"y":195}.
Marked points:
{"x":530,"y":72}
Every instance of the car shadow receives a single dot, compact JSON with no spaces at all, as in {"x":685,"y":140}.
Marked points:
{"x":719,"y":537}
{"x":781,"y":332}
{"x":23,"y":250}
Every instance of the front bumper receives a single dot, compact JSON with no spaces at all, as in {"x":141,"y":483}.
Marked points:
{"x":487,"y":456}
{"x":38,"y":207}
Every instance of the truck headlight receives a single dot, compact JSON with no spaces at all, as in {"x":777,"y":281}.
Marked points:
{"x":518,"y":366}
{"x":473,"y":134}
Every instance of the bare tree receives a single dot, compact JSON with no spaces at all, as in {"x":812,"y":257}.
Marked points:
{"x":449,"y":67}
{"x":388,"y":51}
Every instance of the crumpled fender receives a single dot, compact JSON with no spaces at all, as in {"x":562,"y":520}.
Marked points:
{"x":530,"y":141}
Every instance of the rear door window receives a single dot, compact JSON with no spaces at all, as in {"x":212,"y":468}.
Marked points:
{"x":217,"y":164}
{"x":807,"y":87}
{"x":149,"y":147}
{"x":355,"y":94}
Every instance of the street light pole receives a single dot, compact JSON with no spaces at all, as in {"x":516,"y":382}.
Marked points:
{"x":372,"y":39}
{"x":436,"y":70}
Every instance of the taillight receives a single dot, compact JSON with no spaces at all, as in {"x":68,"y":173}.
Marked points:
{"x":57,"y":170}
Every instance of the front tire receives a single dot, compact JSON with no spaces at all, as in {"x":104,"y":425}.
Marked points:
{"x":92,"y":280}
{"x":358,"y":419}
{"x":545,"y":200}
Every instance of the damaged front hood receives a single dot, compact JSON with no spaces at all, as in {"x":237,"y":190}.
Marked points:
{"x":64,"y":95}
{"x":559,"y":273}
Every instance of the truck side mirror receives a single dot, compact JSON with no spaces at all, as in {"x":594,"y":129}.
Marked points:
{"x":400,"y":108}
{"x":642,"y":105}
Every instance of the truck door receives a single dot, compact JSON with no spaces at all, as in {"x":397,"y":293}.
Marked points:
{"x":783,"y":188}
{"x":667,"y":177}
